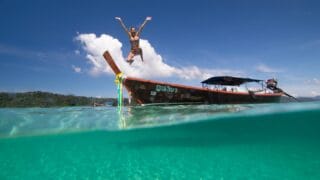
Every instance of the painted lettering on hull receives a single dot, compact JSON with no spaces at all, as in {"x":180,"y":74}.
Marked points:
{"x":169,"y":89}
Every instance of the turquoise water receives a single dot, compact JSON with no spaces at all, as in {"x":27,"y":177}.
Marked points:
{"x":266,"y":141}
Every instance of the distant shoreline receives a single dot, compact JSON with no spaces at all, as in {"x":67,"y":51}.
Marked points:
{"x":48,"y":99}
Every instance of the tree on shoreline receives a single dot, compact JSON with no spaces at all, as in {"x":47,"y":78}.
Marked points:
{"x":46,"y":99}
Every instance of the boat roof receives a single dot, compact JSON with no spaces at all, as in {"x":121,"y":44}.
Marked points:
{"x":229,"y":80}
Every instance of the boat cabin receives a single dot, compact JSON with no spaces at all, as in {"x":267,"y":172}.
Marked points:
{"x":230,"y":83}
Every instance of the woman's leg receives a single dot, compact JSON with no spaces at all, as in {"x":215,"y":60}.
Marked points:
{"x":130,"y":58}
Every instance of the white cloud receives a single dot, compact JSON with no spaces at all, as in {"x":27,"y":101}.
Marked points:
{"x":77,"y":52}
{"x":153,"y":65}
{"x":316,"y":81}
{"x":301,"y":86}
{"x":313,"y":81}
{"x":266,"y":69}
{"x":315,"y":93}
{"x":76,"y":69}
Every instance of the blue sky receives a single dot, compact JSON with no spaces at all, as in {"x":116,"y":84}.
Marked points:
{"x":262,"y":39}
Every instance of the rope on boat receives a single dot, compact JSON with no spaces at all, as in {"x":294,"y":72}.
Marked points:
{"x":119,"y":82}
{"x":119,"y":79}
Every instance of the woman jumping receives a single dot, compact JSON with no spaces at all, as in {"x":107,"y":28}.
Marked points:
{"x":134,"y":37}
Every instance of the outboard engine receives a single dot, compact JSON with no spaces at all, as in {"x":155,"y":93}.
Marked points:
{"x":272,"y":84}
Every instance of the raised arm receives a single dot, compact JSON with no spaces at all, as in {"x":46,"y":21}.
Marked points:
{"x":123,"y":26}
{"x":143,"y":24}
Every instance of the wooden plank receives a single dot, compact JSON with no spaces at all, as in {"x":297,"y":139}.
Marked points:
{"x":111,"y":62}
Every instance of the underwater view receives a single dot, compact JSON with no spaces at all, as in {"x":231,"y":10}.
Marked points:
{"x":265,"y":141}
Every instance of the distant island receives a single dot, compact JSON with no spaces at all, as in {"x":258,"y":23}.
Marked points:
{"x":47,"y":99}
{"x":285,"y":99}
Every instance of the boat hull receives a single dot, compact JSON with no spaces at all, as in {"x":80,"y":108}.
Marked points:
{"x":152,"y":92}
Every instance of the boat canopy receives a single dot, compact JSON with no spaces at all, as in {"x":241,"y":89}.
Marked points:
{"x":229,"y":80}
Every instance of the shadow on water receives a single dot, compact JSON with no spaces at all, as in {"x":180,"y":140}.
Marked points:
{"x":163,"y":115}
{"x":281,"y":127}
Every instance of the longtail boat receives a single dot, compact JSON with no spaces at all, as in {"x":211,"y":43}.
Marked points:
{"x":149,"y":92}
